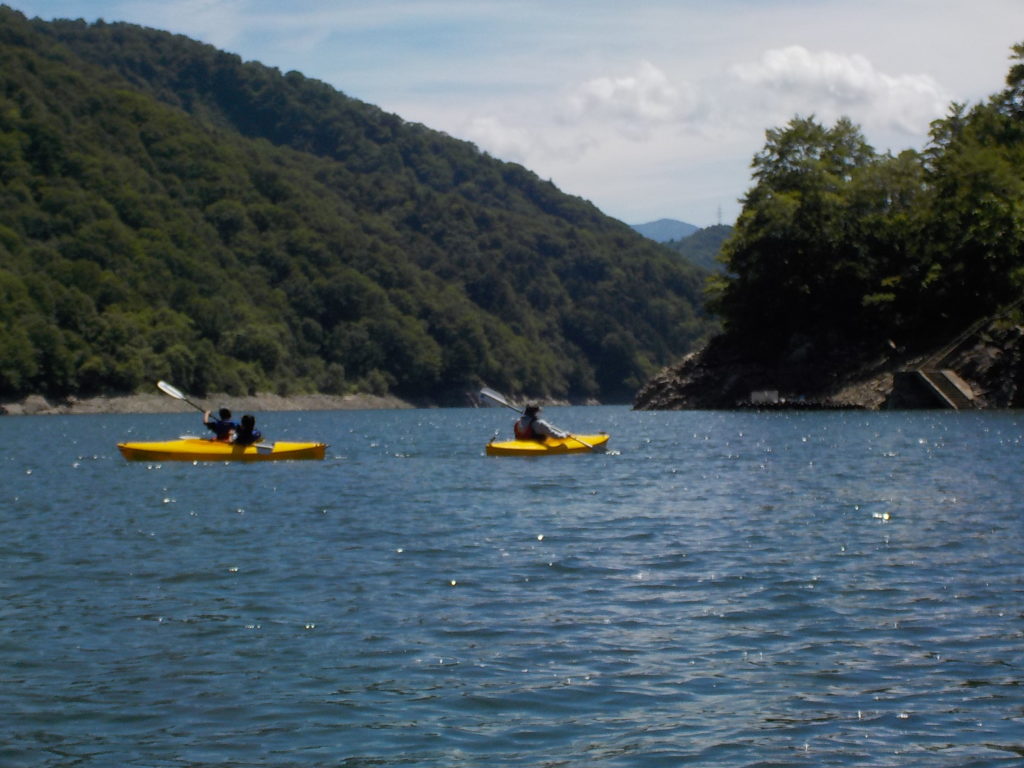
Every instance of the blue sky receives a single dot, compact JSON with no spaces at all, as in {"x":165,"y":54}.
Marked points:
{"x":650,"y":110}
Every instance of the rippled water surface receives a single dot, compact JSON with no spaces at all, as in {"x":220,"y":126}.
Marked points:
{"x":722,"y":589}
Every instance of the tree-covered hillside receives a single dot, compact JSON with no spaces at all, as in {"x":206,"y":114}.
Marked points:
{"x":170,"y":211}
{"x":703,"y":247}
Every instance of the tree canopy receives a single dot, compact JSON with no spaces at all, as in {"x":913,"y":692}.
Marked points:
{"x":170,"y":211}
{"x":843,"y":250}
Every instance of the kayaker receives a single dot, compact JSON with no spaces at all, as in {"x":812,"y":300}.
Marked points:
{"x":531,"y":427}
{"x":223,"y":427}
{"x":247,"y":434}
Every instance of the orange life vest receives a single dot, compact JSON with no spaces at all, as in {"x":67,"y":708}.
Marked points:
{"x":524,"y":432}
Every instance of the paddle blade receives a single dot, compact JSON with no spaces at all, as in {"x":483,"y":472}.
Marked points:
{"x":496,"y":397}
{"x":177,"y":394}
{"x":167,"y":389}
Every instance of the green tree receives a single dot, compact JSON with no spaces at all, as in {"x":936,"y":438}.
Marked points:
{"x":974,"y":257}
{"x":799,"y":262}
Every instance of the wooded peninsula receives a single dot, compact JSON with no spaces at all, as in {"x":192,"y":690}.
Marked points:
{"x":851,"y":274}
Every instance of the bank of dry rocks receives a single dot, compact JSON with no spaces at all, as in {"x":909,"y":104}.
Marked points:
{"x":990,"y":361}
{"x":155,"y":403}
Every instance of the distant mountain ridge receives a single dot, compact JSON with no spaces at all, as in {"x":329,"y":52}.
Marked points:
{"x":703,"y":246}
{"x":664,"y":230}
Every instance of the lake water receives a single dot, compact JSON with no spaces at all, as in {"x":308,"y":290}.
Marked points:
{"x":722,"y":589}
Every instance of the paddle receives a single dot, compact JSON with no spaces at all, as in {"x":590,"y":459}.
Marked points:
{"x":177,"y":394}
{"x":499,"y":398}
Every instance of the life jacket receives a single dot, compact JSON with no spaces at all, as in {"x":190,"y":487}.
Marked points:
{"x":524,"y":431}
{"x":247,"y":436}
{"x":222,"y":429}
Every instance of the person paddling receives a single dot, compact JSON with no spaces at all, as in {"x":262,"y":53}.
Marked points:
{"x":530,"y":426}
{"x":223,"y":427}
{"x":247,"y":434}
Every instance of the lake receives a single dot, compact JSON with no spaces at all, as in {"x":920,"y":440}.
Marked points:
{"x":720,"y":589}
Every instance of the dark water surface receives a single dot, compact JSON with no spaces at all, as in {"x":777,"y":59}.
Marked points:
{"x":723,"y":589}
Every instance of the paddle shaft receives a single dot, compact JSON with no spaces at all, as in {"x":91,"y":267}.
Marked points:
{"x":195,"y":405}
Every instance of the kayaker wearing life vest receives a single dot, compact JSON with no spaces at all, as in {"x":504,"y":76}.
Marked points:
{"x":247,"y":433}
{"x":223,"y":428}
{"x":531,"y":427}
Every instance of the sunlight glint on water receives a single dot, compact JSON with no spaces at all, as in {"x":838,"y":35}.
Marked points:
{"x":722,"y":589}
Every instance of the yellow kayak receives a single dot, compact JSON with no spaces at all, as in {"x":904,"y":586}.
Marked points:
{"x":550,"y":446}
{"x":202,"y":449}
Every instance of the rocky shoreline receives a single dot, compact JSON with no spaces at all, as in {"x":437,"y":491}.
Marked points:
{"x":989,"y":360}
{"x":700,"y":382}
{"x":37,"y":405}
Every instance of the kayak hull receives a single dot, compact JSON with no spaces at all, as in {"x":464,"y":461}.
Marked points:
{"x":200,"y":449}
{"x":550,"y":446}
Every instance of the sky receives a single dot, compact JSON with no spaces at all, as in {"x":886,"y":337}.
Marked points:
{"x":649,"y":109}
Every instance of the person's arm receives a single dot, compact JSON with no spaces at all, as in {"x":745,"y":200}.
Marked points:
{"x":541,"y":427}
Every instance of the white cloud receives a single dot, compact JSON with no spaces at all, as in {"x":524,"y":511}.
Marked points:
{"x":604,"y":126}
{"x":500,"y":139}
{"x":794,"y":80}
{"x":633,"y":103}
{"x":642,"y":128}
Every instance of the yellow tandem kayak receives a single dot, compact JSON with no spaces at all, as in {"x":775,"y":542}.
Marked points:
{"x":201,"y":449}
{"x":550,"y":446}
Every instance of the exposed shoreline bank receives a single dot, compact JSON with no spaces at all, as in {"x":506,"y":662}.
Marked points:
{"x":36,"y":405}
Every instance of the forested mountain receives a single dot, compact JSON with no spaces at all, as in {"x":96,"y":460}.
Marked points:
{"x":170,"y":211}
{"x":703,"y":246}
{"x":844,"y":258}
